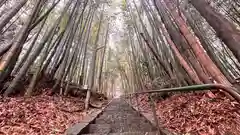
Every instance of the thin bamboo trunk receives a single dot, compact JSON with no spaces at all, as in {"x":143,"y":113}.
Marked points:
{"x":6,"y":18}
{"x":223,"y":27}
{"x":102,"y":59}
{"x":3,"y":2}
{"x":197,"y":48}
{"x":93,"y":63}
{"x":8,"y":61}
{"x":26,"y":54}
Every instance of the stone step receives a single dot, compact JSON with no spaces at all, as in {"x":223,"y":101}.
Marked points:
{"x":118,"y":118}
{"x":129,"y":133}
{"x":110,"y":120}
{"x":129,"y":114}
{"x":132,"y":127}
{"x":119,"y":105}
{"x":116,"y":109}
{"x":99,"y":128}
{"x":119,"y":114}
{"x":115,"y":115}
{"x":112,"y":110}
{"x":120,"y":127}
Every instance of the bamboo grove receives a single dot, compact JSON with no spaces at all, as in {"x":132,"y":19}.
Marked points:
{"x":180,"y":43}
{"x":64,"y":41}
{"x":168,"y":43}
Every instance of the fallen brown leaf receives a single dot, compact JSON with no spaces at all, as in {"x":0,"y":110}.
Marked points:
{"x":197,"y":113}
{"x":39,"y":115}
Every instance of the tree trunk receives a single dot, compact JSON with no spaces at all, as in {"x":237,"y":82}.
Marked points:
{"x":102,"y":59}
{"x":226,"y":31}
{"x":8,"y":61}
{"x":151,"y":45}
{"x":26,"y":54}
{"x":48,"y":35}
{"x":93,"y":63}
{"x":35,"y":23}
{"x":72,"y":27}
{"x":158,"y":25}
{"x":85,"y":43}
{"x":38,"y":74}
{"x":55,"y":46}
{"x":208,"y":48}
{"x":6,"y":18}
{"x":2,"y":2}
{"x":197,"y":48}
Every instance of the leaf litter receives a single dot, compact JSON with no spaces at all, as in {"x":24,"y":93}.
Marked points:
{"x":196,"y":113}
{"x":39,"y":115}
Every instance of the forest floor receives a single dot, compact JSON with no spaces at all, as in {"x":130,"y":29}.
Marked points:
{"x":188,"y":113}
{"x":40,"y":115}
{"x":196,"y":113}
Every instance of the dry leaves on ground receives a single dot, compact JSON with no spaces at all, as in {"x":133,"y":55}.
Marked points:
{"x":199,"y":114}
{"x":142,"y":103}
{"x":196,"y":113}
{"x":39,"y":115}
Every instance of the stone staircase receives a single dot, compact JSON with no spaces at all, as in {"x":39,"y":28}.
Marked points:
{"x":119,"y":118}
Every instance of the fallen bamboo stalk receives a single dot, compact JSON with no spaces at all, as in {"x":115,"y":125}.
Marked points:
{"x":230,"y":90}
